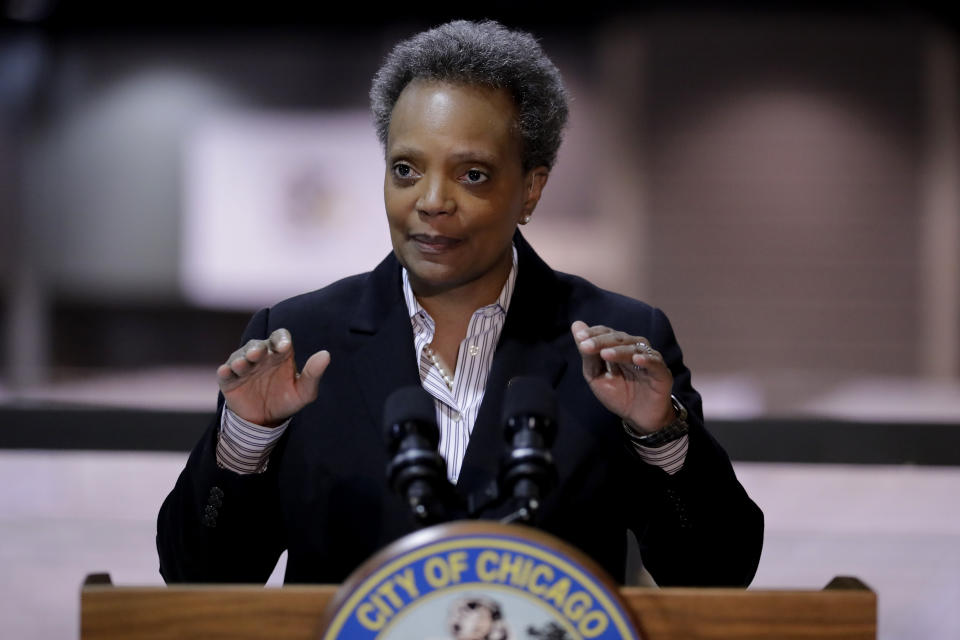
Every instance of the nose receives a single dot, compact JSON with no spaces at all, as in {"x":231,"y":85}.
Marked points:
{"x":434,"y":200}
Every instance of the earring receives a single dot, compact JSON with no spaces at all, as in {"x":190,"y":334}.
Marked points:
{"x":525,"y":219}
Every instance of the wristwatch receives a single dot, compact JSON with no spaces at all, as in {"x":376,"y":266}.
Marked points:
{"x":673,"y":431}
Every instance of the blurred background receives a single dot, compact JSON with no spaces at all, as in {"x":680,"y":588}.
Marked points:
{"x":783,"y":180}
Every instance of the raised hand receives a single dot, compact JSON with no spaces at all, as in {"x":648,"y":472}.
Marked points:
{"x":260,"y":382}
{"x":627,"y":375}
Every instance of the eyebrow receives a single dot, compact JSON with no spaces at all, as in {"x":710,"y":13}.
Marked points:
{"x":457,"y":156}
{"x":474,"y":156}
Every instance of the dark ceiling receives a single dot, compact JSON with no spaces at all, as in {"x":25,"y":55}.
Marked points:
{"x":78,"y":15}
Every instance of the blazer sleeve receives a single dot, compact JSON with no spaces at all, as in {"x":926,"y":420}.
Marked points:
{"x":217,"y":525}
{"x":698,"y":527}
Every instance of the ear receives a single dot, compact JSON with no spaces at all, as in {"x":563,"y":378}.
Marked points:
{"x":534,"y":182}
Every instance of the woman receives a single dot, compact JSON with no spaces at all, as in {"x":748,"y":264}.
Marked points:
{"x":470,"y":116}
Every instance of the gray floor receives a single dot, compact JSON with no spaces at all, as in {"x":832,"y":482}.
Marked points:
{"x":897,"y":528}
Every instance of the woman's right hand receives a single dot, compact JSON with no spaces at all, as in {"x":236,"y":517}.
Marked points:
{"x":260,"y":383}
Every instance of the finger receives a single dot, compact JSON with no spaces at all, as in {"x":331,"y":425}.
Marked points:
{"x":586,"y":337}
{"x":593,"y":364}
{"x":582,"y":331}
{"x":254,"y":351}
{"x":590,"y":341}
{"x":650,"y":361}
{"x":241,"y":361}
{"x":622,"y":354}
{"x":225,"y":373}
{"x":242,"y":351}
{"x":246,"y":358}
{"x":653,"y":366}
{"x":240,"y":365}
{"x":309,"y":378}
{"x":579,"y":329}
{"x":280,"y":341}
{"x":612,"y":339}
{"x":652,"y":358}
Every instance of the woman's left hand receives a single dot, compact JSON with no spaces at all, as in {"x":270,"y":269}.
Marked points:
{"x":627,"y":375}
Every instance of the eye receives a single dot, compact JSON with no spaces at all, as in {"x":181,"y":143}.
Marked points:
{"x":475,"y":176}
{"x":403,"y":171}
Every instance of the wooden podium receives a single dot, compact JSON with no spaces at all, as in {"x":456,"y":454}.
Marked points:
{"x":846,"y":608}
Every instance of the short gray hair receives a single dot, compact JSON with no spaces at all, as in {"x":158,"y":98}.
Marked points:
{"x":485,"y":54}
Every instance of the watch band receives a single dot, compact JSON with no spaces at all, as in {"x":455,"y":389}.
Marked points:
{"x":673,"y":431}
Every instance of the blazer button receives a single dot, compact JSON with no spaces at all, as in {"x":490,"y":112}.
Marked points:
{"x":209,"y":522}
{"x":210,"y":511}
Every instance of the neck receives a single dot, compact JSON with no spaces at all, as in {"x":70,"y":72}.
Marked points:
{"x":457,"y":304}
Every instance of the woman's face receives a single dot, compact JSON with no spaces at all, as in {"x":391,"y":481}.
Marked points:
{"x":455,"y":188}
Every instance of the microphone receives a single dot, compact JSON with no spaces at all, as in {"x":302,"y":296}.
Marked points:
{"x":416,"y":470}
{"x":530,"y":425}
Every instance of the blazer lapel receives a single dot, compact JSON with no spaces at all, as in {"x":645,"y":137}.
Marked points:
{"x":527,"y":347}
{"x":384,"y":358}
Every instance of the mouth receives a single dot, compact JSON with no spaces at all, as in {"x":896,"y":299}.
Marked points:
{"x":429,"y":243}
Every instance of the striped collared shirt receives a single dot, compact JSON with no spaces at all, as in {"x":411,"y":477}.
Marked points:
{"x":457,"y":408}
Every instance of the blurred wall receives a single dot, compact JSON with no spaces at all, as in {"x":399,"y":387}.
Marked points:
{"x":784,"y":192}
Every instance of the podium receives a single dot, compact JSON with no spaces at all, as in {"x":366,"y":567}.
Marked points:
{"x":846,"y":609}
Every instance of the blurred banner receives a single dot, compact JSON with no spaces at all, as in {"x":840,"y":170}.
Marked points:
{"x":278,"y":204}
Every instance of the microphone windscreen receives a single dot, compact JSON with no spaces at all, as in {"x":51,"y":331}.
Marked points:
{"x":408,"y":404}
{"x":529,"y":396}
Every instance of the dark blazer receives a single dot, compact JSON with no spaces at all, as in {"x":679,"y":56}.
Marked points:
{"x":324,"y":497}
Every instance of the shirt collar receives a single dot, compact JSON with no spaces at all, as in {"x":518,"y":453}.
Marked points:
{"x":503,"y":300}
